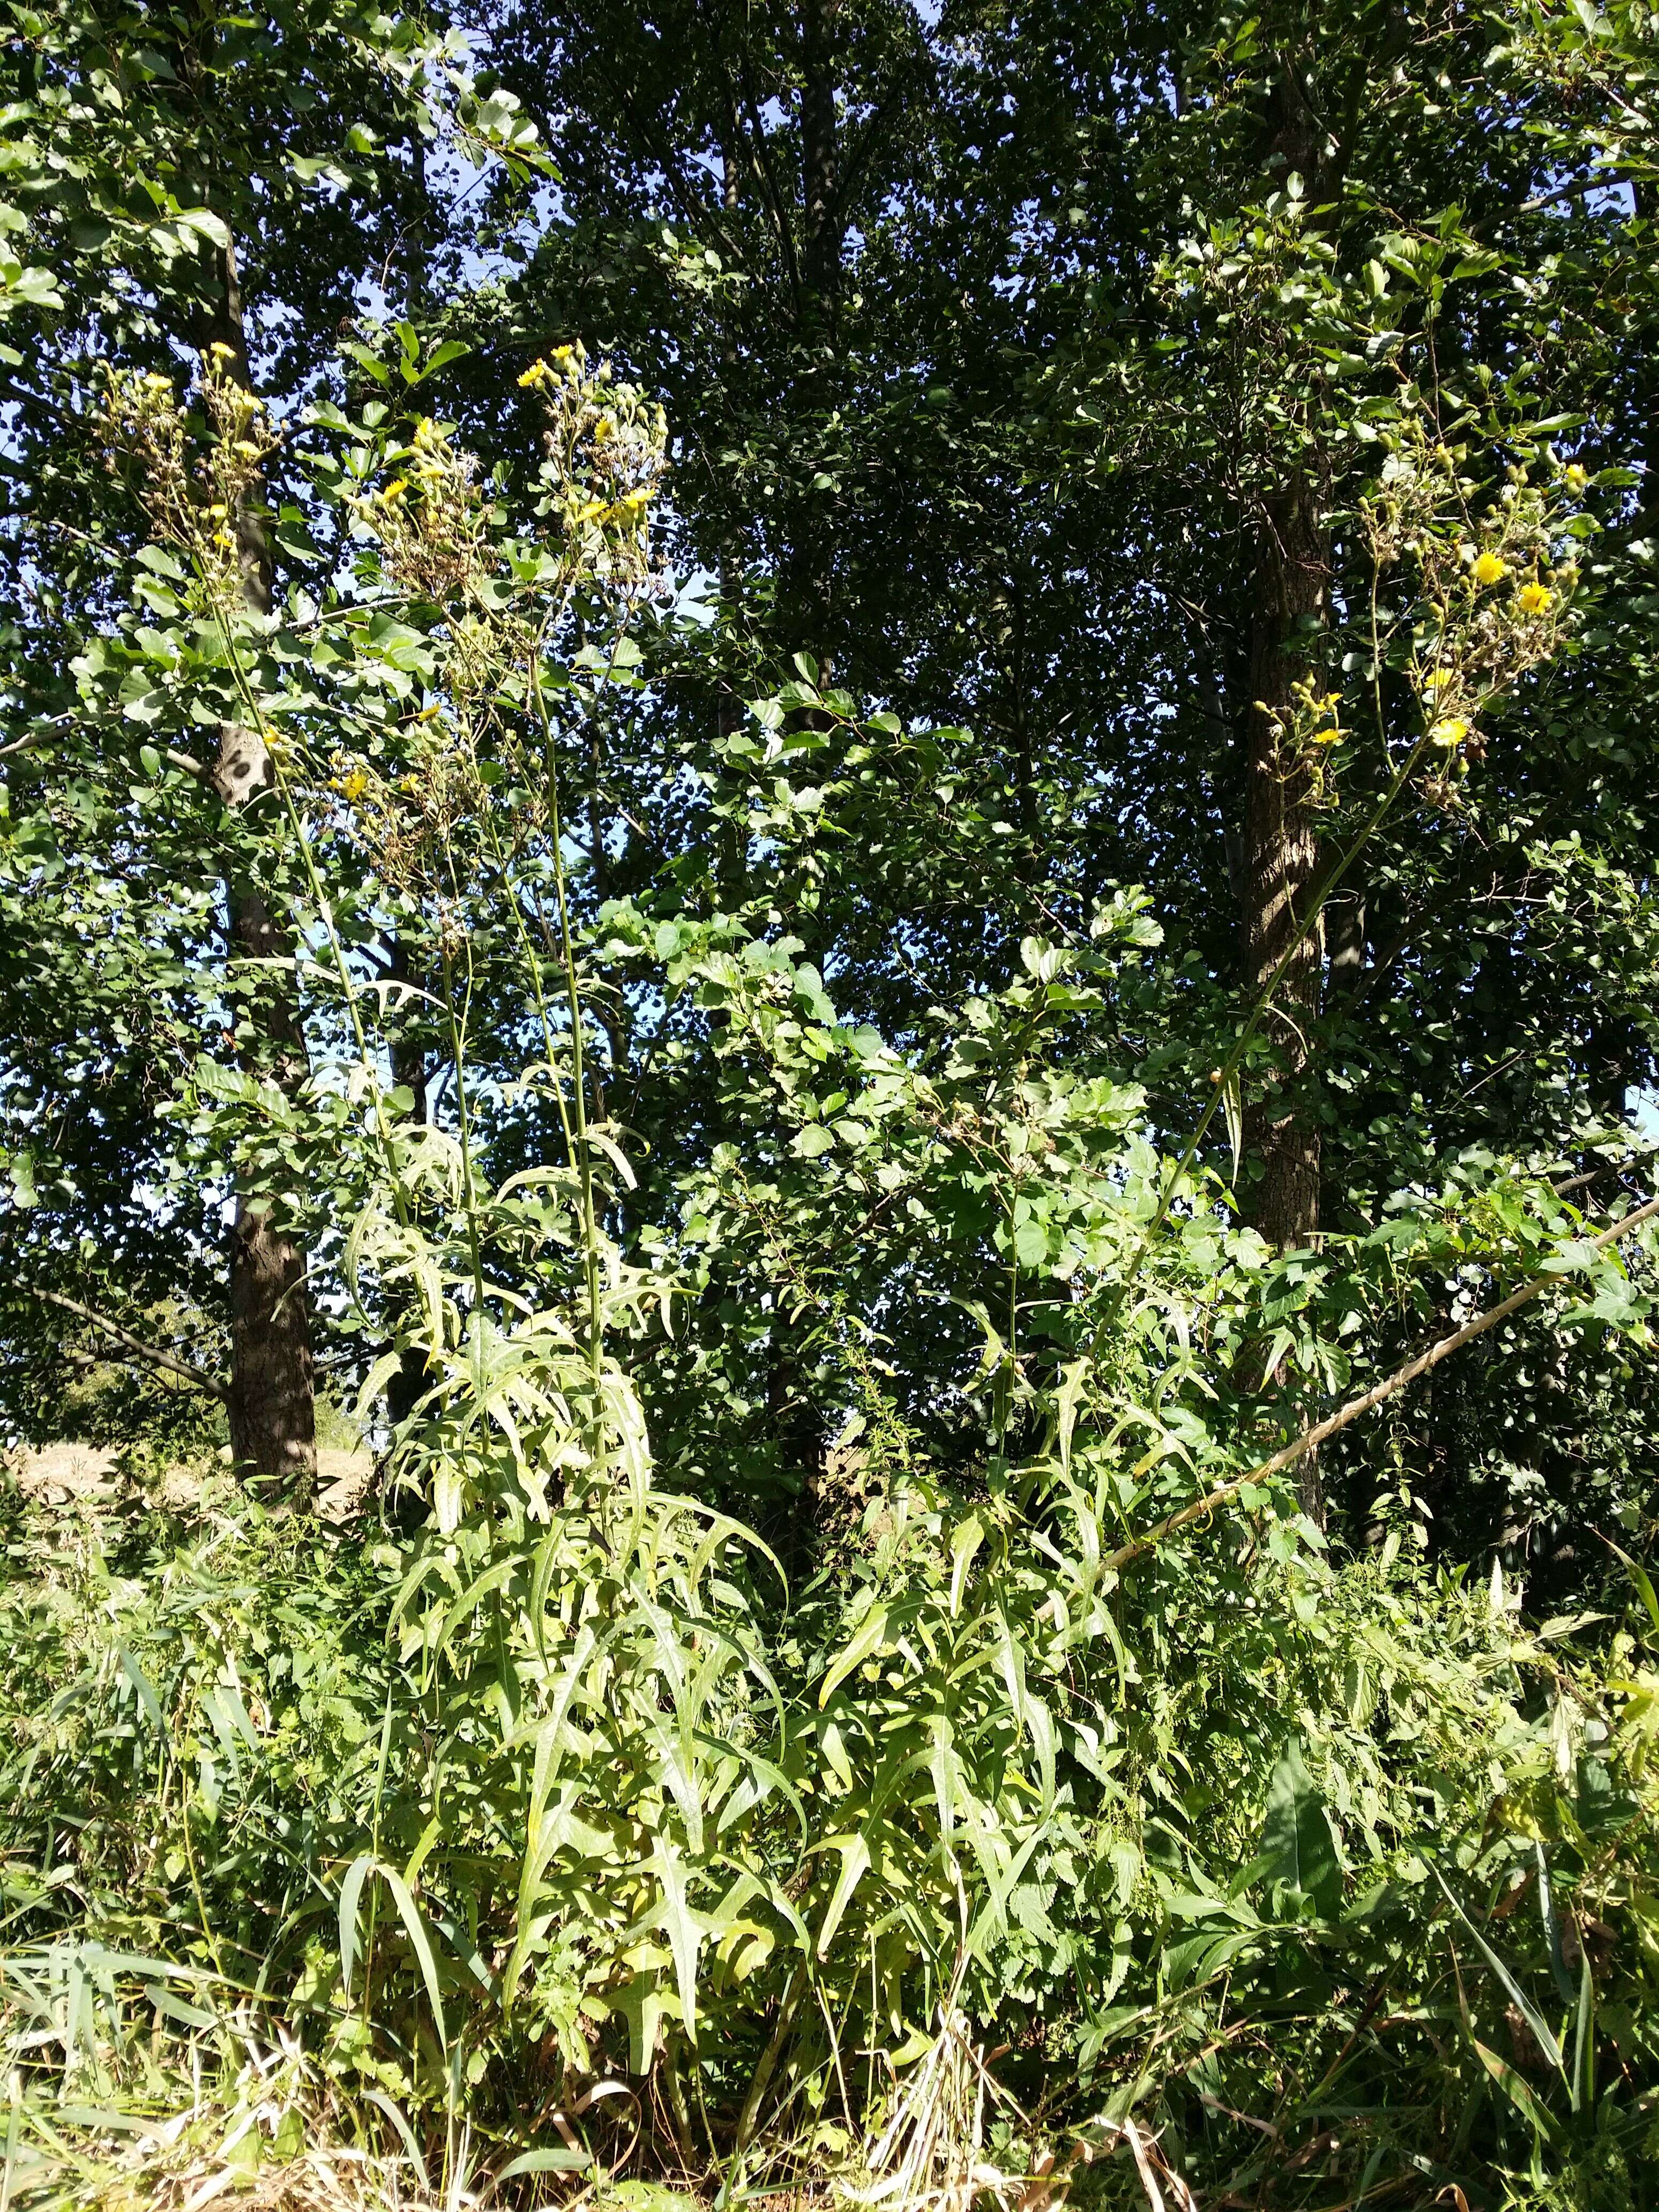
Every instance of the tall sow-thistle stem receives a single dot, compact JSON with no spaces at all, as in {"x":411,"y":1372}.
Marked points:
{"x":657,"y":1654}
{"x":604,"y":449}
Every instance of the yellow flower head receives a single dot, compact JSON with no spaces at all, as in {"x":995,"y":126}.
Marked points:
{"x":356,"y":784}
{"x":639,"y":499}
{"x":604,"y":429}
{"x":221,"y":351}
{"x":1330,"y":728}
{"x":394,"y":491}
{"x":153,"y":383}
{"x":1449,"y":732}
{"x":1490,"y":568}
{"x":563,"y":353}
{"x":1536,"y":599}
{"x":1437,"y":679}
{"x":535,"y":374}
{"x":1576,"y":478}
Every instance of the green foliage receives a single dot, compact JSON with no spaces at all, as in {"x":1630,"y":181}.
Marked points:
{"x":472,"y":1807}
{"x":826,"y":1690}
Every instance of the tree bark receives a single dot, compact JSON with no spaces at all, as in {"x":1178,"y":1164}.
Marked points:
{"x":272,"y":1402}
{"x":1290,"y":588}
{"x":1280,"y":859}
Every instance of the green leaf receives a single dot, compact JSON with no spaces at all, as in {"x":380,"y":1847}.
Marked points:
{"x":441,"y":355}
{"x":1233,"y":1110}
{"x":205,"y":224}
{"x":1297,"y":1841}
{"x":854,"y":1865}
{"x":141,"y":1682}
{"x":1524,"y":2003}
{"x":965,"y":1540}
{"x":351,"y":1890}
{"x":361,"y":353}
{"x":684,"y":1936}
{"x":1519,"y":2094}
{"x":562,"y":2161}
{"x":410,"y":1915}
{"x":866,"y":1640}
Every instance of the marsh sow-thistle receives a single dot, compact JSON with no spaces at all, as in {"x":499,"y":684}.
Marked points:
{"x":194,"y":494}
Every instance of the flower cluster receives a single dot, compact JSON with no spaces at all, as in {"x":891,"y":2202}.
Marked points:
{"x":1491,"y":588}
{"x":605,"y":450}
{"x":1305,"y":735}
{"x":200,"y":495}
{"x":432,"y":524}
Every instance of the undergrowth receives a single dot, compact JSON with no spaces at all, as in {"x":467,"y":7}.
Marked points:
{"x":624,"y":1865}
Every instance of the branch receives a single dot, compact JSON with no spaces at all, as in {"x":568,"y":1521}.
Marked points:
{"x":37,"y":736}
{"x":1310,"y":1439}
{"x":166,"y":1360}
{"x":760,"y":148}
{"x":1614,"y":1166}
{"x":187,"y":766}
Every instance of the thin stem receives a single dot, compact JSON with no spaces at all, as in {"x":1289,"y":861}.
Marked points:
{"x":457,"y":1059}
{"x":532,"y":962}
{"x":573,"y":989}
{"x":1310,"y":1439}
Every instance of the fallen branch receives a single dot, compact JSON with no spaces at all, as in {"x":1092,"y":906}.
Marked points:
{"x":167,"y":1361}
{"x":1310,"y":1439}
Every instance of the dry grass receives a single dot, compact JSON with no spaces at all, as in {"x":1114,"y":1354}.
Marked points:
{"x":192,"y":2161}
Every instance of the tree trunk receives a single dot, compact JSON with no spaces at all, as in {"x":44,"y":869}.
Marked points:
{"x":1280,"y":860}
{"x":273,"y":1416}
{"x":273,"y":1425}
